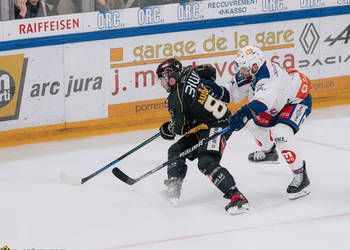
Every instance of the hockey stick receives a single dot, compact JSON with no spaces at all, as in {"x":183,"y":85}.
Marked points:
{"x":123,"y":177}
{"x":70,"y":180}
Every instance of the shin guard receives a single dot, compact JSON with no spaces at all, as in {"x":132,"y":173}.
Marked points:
{"x":286,"y":142}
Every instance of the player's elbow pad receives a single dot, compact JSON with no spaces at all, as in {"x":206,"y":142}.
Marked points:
{"x":217,"y":91}
{"x":256,"y":107}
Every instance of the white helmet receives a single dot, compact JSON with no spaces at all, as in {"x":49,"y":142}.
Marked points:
{"x":248,"y":56}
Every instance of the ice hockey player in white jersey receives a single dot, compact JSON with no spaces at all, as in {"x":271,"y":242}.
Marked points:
{"x":279,"y":102}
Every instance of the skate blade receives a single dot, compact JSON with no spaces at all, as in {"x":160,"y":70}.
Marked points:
{"x":300,"y":194}
{"x":264,"y":162}
{"x":236,"y":210}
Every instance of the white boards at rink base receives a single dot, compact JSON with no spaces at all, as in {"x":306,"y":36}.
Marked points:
{"x":94,"y":73}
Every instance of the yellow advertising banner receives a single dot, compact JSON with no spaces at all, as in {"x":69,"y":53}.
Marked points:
{"x":330,"y":91}
{"x":325,"y":92}
{"x":152,"y":113}
{"x":12,"y":76}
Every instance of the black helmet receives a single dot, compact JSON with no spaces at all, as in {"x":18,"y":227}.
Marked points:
{"x":169,"y":68}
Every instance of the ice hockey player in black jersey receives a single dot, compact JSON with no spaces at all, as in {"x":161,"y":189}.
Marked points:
{"x":196,"y":115}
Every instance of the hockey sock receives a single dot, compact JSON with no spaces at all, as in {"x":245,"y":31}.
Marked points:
{"x":262,"y":136}
{"x":286,"y":142}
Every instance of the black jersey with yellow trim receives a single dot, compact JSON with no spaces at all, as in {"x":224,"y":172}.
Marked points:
{"x":190,"y":104}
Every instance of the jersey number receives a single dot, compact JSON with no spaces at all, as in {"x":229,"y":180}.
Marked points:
{"x":216,"y":107}
{"x":304,"y":88}
{"x":305,"y":84}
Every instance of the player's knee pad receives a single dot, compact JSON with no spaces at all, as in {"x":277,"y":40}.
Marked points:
{"x":261,"y":135}
{"x":286,"y":143}
{"x":282,"y":130}
{"x":209,"y":166}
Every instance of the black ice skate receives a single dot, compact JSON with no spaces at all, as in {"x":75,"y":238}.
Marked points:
{"x":299,"y":186}
{"x":174,"y":185}
{"x":264,"y":157}
{"x":238,"y":204}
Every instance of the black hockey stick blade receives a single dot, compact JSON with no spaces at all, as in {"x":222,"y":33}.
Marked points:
{"x":123,"y":177}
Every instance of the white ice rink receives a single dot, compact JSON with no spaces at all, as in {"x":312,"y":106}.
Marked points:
{"x":39,"y":211}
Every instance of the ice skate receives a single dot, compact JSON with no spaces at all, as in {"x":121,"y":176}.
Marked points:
{"x":174,"y":185}
{"x":264,"y":157}
{"x":238,"y":204}
{"x":299,"y":186}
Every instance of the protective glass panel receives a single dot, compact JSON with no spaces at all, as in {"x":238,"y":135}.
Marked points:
{"x":40,"y":8}
{"x":121,"y":4}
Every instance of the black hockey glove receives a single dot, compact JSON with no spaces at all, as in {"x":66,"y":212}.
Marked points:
{"x":240,"y":118}
{"x":165,"y":132}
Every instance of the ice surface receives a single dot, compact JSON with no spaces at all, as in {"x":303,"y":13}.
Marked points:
{"x":39,"y":211}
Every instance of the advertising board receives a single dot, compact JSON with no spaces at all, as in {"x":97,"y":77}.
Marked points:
{"x":106,"y":83}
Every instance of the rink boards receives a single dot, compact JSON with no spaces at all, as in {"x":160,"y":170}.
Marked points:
{"x":94,"y":73}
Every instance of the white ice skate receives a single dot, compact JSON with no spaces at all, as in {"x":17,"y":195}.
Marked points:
{"x":174,"y":190}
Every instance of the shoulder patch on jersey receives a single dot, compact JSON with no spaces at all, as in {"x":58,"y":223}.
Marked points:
{"x":192,"y":83}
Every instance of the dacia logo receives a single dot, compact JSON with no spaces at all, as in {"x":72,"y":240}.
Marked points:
{"x":336,"y":59}
{"x":309,"y":38}
{"x":149,"y":15}
{"x":187,"y":11}
{"x":273,"y":5}
{"x":343,"y":36}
